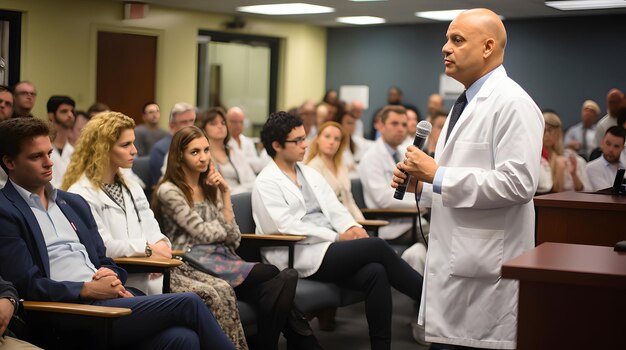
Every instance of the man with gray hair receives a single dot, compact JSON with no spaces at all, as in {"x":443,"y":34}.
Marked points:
{"x":238,"y":142}
{"x":582,"y":136}
{"x":182,"y":114}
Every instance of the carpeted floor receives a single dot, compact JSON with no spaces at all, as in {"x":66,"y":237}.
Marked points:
{"x":351,"y":327}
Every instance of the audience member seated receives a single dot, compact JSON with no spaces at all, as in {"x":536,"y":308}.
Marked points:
{"x":561,"y":170}
{"x":6,"y":110}
{"x":394,"y":98}
{"x":123,"y":215}
{"x":119,"y":205}
{"x":357,"y":108}
{"x":96,"y":108}
{"x":614,"y":100}
{"x":61,"y":114}
{"x":356,"y":146}
{"x":51,"y":251}
{"x":6,"y":103}
{"x":435,"y":105}
{"x":182,"y":114}
{"x":231,"y":163}
{"x":582,"y":137}
{"x":438,"y":119}
{"x":81,"y":119}
{"x":25,"y":97}
{"x":194,"y":206}
{"x":148,"y":133}
{"x":8,"y":308}
{"x":411,"y":128}
{"x":292,"y":198}
{"x":376,"y":170}
{"x":601,"y":171}
{"x":235,"y":120}
{"x":308,"y":113}
{"x":325,"y":156}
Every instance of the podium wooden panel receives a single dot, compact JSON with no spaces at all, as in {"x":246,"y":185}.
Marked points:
{"x":580,"y":218}
{"x":570,"y":297}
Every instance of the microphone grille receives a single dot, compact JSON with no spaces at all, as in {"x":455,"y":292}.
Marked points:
{"x":423,"y":129}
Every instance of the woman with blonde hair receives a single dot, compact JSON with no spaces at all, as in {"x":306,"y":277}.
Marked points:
{"x":326,"y":156}
{"x":193,"y":204}
{"x":561,"y":170}
{"x":123,"y":215}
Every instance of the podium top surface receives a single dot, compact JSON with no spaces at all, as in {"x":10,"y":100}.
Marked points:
{"x":585,"y":200}
{"x":569,"y":264}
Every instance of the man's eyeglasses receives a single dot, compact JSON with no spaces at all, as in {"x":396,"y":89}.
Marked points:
{"x":298,"y":140}
{"x":26,"y":93}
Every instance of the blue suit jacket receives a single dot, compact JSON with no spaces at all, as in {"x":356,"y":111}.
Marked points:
{"x":23,"y":255}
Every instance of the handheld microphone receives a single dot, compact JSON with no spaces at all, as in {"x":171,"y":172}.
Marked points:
{"x":423,"y":130}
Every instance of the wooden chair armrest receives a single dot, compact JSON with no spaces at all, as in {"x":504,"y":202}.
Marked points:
{"x":372,"y":223}
{"x":273,"y":240}
{"x":273,"y":237}
{"x":390,"y":212}
{"x":76,"y":309}
{"x":178,"y":252}
{"x":145,"y":261}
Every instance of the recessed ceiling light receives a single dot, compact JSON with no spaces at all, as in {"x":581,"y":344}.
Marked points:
{"x":361,"y":20}
{"x":446,"y":15}
{"x":586,"y":4}
{"x":367,"y":0}
{"x":286,"y":9}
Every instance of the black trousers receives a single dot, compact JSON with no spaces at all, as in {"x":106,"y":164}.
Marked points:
{"x":273,"y":291}
{"x":372,"y":266}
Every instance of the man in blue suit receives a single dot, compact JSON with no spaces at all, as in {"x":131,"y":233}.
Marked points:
{"x":50,"y":250}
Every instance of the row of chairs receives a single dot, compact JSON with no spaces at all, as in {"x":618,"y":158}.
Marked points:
{"x":311,"y":296}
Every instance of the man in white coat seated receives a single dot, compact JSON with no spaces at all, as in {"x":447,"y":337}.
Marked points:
{"x":376,"y":170}
{"x":601,"y":171}
{"x":480,"y":186}
{"x":292,"y":198}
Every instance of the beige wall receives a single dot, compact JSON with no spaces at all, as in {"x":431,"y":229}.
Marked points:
{"x":59,"y":49}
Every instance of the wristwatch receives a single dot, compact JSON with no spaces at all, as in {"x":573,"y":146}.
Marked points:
{"x":13,"y":301}
{"x":148,"y":250}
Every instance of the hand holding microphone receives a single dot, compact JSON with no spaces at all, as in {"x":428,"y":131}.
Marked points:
{"x":423,"y":130}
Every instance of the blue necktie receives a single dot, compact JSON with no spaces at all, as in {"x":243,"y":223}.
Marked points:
{"x":458,"y":108}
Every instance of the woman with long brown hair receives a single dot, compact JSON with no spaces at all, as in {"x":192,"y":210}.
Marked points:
{"x":194,"y":206}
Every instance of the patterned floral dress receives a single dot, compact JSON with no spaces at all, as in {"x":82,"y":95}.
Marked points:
{"x":203,"y":223}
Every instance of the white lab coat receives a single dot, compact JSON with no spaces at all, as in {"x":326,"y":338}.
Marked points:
{"x":376,"y":170}
{"x":124,"y":233}
{"x":61,"y":162}
{"x":278,"y":207}
{"x":483,"y":217}
{"x":248,"y":149}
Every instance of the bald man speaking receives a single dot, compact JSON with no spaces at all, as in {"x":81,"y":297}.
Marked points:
{"x":480,"y":186}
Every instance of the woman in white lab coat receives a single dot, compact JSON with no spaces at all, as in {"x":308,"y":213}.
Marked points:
{"x":325,"y":156}
{"x":123,"y":215}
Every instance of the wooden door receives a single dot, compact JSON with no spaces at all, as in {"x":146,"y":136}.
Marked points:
{"x":126,"y":72}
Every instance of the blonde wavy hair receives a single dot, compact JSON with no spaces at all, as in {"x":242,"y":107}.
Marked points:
{"x":553,"y":120}
{"x":315,"y":148}
{"x":91,"y":155}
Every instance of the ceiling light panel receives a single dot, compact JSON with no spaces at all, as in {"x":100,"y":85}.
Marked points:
{"x":361,"y":20}
{"x":286,"y":9}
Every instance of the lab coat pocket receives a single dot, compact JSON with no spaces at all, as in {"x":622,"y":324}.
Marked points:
{"x":476,"y":253}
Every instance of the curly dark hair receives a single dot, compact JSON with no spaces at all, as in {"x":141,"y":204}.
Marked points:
{"x":276,"y":128}
{"x":15,"y":131}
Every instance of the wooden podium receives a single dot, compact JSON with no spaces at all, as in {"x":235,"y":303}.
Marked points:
{"x":570,"y":297}
{"x":581,"y":218}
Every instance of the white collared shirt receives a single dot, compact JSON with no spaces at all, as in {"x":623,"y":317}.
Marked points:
{"x":68,"y":257}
